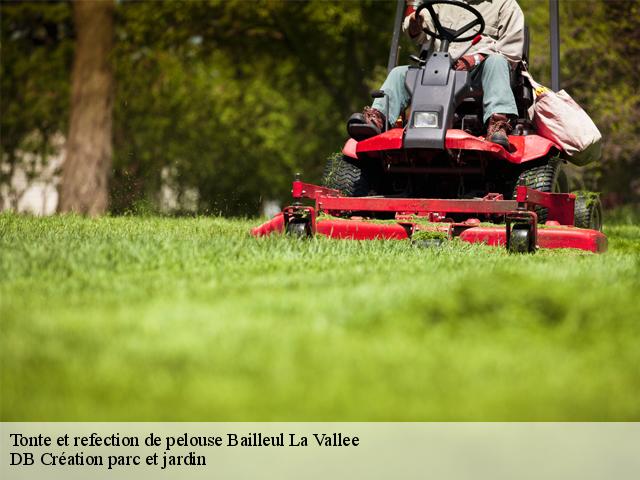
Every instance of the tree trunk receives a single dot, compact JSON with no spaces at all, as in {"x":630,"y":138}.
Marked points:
{"x":85,"y":173}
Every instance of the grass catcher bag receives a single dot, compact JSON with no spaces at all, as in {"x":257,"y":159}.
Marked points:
{"x":559,"y":118}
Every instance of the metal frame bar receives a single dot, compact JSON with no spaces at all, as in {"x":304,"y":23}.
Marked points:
{"x":395,"y":39}
{"x":554,"y":31}
{"x":309,"y":190}
{"x":414,"y":205}
{"x":560,"y":205}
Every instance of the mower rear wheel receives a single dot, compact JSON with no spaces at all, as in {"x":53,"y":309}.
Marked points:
{"x":588,"y":211}
{"x":520,"y":239}
{"x":342,"y":174}
{"x":549,"y":178}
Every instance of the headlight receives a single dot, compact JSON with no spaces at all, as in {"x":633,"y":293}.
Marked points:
{"x":425,"y":120}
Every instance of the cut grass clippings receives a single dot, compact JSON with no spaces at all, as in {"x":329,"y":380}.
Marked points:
{"x":163,"y":319}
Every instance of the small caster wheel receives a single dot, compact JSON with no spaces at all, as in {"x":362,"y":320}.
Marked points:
{"x":521,"y":239}
{"x":298,"y":229}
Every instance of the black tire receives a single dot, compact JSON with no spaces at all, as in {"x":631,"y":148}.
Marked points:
{"x":549,"y":178}
{"x":343,"y":175}
{"x":588,"y":211}
{"x":298,"y":229}
{"x":520,"y":240}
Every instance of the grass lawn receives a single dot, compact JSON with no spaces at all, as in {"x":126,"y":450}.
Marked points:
{"x":192,"y":319}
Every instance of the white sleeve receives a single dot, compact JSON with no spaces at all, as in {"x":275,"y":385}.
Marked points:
{"x":511,"y":32}
{"x":421,"y":37}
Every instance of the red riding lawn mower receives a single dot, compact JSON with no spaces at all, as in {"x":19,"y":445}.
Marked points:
{"x":434,"y":177}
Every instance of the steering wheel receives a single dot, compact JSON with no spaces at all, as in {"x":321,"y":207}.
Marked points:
{"x":444,"y":33}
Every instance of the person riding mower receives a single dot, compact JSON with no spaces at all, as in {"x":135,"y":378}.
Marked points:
{"x":491,"y":62}
{"x":433,"y":173}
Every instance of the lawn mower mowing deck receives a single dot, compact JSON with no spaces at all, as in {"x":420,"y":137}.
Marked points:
{"x":429,"y":222}
{"x":434,"y":176}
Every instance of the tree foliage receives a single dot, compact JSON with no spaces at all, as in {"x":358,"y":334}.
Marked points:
{"x":600,"y":68}
{"x":231,"y":98}
{"x":36,"y":51}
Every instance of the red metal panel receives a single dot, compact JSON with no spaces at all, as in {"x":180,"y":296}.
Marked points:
{"x":568,"y":237}
{"x":525,"y":148}
{"x":276,"y":224}
{"x":414,"y":205}
{"x":561,"y":205}
{"x":360,"y":230}
{"x":535,"y":147}
{"x":494,"y":236}
{"x":349,"y":148}
{"x":389,"y":140}
{"x":461,"y":140}
{"x":309,"y":190}
{"x":562,"y":237}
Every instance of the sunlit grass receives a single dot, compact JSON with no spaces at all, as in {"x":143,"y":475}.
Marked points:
{"x":193,"y":319}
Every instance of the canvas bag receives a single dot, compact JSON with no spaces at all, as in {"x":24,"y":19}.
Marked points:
{"x":560,"y":119}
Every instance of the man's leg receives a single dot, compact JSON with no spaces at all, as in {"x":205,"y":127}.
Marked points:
{"x":498,"y":101}
{"x":371,"y":121}
{"x":399,"y":98}
{"x":496,"y":85}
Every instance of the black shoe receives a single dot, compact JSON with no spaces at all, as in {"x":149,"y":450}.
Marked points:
{"x":367,"y":124}
{"x":498,"y":130}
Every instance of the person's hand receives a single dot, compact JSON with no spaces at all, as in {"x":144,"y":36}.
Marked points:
{"x":415,"y":25}
{"x":469,"y":62}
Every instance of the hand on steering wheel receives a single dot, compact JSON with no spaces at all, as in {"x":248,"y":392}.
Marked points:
{"x":448,"y":34}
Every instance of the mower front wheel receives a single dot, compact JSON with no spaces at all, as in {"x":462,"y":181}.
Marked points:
{"x":521,"y":239}
{"x":298,"y":229}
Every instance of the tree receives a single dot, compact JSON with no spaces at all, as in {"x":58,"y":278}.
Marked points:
{"x":84,"y":186}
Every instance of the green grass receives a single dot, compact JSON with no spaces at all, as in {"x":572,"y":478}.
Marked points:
{"x":193,"y":319}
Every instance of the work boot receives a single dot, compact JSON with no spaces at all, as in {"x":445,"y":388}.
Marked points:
{"x":498,"y":129}
{"x":367,"y":124}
